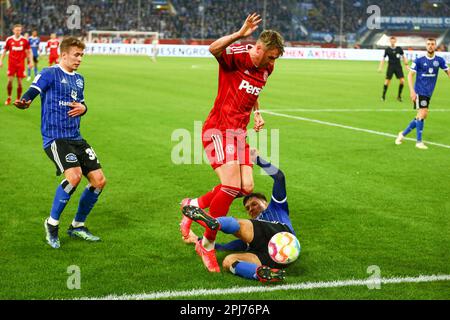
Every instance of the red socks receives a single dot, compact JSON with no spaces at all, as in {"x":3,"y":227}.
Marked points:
{"x":220,"y":205}
{"x":205,"y":200}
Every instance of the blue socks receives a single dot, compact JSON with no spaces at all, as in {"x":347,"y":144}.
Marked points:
{"x":229,"y":225}
{"x":62,"y":196}
{"x":411,"y":126}
{"x":87,"y":201}
{"x":419,"y":129}
{"x":244,"y":269}
{"x":417,"y":124}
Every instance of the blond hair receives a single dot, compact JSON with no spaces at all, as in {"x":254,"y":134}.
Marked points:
{"x":272,"y":40}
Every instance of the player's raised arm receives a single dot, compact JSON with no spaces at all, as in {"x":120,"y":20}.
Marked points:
{"x":249,"y":26}
{"x":279,"y":185}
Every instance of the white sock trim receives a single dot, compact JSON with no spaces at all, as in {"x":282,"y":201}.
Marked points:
{"x":208,"y":245}
{"x":52,"y":221}
{"x":77,"y":224}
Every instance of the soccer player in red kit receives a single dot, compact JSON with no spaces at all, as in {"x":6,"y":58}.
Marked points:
{"x":243,"y":72}
{"x":19,"y":49}
{"x":53,"y":45}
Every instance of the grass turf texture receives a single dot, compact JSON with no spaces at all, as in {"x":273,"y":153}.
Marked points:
{"x":355,"y":198}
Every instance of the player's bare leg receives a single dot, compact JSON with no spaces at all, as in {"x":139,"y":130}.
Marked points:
{"x":247,"y":183}
{"x":19,"y":89}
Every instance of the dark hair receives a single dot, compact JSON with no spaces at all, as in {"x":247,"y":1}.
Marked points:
{"x":69,"y":42}
{"x":431,"y":39}
{"x":254,"y":195}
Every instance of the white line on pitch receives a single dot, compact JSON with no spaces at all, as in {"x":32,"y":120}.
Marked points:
{"x":355,"y":110}
{"x":262,"y":289}
{"x":349,"y":127}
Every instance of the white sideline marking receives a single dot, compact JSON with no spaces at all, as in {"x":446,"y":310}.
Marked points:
{"x":356,"y":110}
{"x":253,"y":289}
{"x":350,"y":128}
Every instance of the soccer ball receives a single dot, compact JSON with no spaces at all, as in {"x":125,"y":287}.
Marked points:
{"x":284,"y":248}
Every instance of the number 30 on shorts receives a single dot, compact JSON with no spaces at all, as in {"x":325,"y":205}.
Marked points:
{"x":91,"y":153}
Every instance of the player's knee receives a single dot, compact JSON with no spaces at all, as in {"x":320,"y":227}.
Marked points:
{"x":228,"y":262}
{"x":247,"y":187}
{"x":74,"y":177}
{"x":99,"y":182}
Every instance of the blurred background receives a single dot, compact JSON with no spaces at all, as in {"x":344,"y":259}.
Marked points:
{"x":318,"y":23}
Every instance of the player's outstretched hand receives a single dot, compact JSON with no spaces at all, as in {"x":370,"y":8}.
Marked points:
{"x":77,"y":109}
{"x":253,"y":154}
{"x":250,"y":25}
{"x":22,"y":104}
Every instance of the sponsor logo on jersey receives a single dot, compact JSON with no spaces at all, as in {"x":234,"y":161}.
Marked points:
{"x":71,"y":158}
{"x":65,"y":103}
{"x":436,"y":63}
{"x":245,"y":85}
{"x":73,"y":94}
{"x":17,"y":48}
{"x":430,"y":70}
{"x":64,"y":81}
{"x":79,"y":83}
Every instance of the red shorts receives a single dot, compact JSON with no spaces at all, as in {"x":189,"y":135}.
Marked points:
{"x":17,"y":70}
{"x":53,"y":59}
{"x":222,"y":147}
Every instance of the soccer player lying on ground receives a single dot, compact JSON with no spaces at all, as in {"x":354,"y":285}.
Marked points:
{"x":267,"y":219}
{"x":427,"y":69}
{"x":243,"y":72}
{"x":62,"y":95}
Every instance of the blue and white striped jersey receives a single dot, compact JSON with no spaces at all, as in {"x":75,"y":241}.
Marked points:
{"x":427,"y":70}
{"x":34,"y":45}
{"x":277,"y":211}
{"x":58,"y":89}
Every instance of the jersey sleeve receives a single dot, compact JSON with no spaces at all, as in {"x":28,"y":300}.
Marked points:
{"x":385,"y":53}
{"x":414,"y":65}
{"x":442,"y":64}
{"x":401,"y":51}
{"x":7,"y":45}
{"x":43,"y":80}
{"x":82,"y":91}
{"x":231,"y":57}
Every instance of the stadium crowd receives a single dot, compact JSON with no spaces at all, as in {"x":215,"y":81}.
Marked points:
{"x":208,"y":18}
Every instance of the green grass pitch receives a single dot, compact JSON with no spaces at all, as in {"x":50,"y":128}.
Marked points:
{"x":356,"y":199}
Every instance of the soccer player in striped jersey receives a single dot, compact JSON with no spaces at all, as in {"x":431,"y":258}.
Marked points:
{"x":62,"y":100}
{"x":266,"y":220}
{"x":427,"y":69}
{"x":243,"y":72}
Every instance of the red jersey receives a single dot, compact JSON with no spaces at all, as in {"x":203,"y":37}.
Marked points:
{"x":53,"y":45}
{"x":240,"y":84}
{"x":17,"y":50}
